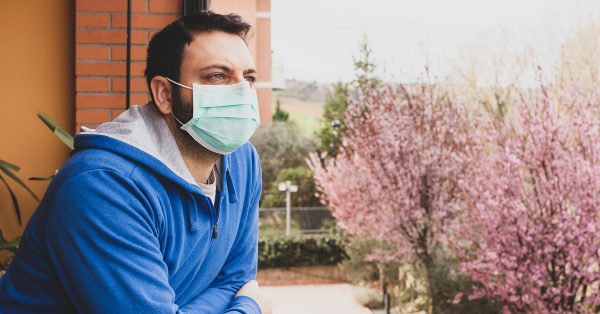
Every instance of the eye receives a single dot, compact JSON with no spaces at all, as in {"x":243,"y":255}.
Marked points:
{"x":251,"y":79}
{"x":217,"y":76}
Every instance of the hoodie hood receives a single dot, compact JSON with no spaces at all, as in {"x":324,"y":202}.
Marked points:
{"x":145,"y":129}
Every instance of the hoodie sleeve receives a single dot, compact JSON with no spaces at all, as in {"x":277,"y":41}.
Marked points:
{"x":240,"y":267}
{"x":102,"y":241}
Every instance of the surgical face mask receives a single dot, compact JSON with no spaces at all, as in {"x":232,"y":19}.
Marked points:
{"x":224,"y":116}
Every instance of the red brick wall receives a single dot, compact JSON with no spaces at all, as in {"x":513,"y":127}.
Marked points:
{"x":101,"y":43}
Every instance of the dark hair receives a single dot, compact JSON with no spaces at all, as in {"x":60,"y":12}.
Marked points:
{"x":165,"y":50}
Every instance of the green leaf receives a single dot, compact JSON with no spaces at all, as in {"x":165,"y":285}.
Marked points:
{"x":65,"y":138}
{"x":21,"y":183}
{"x":8,"y":165}
{"x":41,"y":178}
{"x":9,"y":245}
{"x":14,"y":201}
{"x":13,"y":245}
{"x":62,"y":135}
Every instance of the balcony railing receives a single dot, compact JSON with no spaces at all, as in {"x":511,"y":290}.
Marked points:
{"x":304,"y":221}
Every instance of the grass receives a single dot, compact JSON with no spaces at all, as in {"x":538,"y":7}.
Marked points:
{"x":307,"y":115}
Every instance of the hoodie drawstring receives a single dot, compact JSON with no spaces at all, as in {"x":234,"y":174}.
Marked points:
{"x":231,"y":188}
{"x":194,"y":220}
{"x":232,"y":198}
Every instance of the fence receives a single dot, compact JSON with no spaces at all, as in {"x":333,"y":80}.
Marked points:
{"x":304,"y":220}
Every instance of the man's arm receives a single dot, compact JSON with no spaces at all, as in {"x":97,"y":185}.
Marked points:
{"x":240,"y":267}
{"x":103,"y":245}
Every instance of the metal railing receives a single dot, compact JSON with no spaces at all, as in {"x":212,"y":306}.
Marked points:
{"x":304,"y":220}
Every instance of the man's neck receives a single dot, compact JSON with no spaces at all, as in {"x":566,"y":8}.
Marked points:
{"x":199,"y":160}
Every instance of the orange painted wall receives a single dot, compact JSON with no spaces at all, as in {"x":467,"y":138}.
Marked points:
{"x":37,"y":75}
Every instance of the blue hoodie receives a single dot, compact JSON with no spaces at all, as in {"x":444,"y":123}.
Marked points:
{"x":123,"y":228}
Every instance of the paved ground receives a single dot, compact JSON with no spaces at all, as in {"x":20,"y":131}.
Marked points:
{"x":315,"y":299}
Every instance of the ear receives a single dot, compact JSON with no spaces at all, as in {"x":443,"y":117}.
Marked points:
{"x":162,"y":93}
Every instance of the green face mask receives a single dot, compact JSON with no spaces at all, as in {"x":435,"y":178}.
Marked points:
{"x":224,"y":116}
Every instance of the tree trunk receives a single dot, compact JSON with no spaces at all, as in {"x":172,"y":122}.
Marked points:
{"x":429,"y":269}
{"x":381,"y":269}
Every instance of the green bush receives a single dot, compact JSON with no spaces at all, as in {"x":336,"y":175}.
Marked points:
{"x":357,"y":249}
{"x":300,"y":176}
{"x":282,"y":251}
{"x":448,"y":280}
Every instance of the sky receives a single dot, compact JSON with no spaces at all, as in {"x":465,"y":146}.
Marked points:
{"x":315,"y":40}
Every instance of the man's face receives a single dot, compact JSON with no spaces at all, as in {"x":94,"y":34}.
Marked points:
{"x":212,"y":58}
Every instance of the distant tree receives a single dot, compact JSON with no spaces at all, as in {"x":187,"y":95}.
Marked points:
{"x":280,"y":114}
{"x":364,"y":68}
{"x":300,"y":176}
{"x":308,"y":89}
{"x":399,"y":180}
{"x":333,"y":125}
{"x":280,"y":145}
{"x":531,"y":235}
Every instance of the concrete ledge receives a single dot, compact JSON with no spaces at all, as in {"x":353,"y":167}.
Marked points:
{"x":301,"y":275}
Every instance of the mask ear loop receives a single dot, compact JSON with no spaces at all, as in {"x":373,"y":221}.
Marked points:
{"x":182,"y":124}
{"x":185,"y":86}
{"x":170,"y":80}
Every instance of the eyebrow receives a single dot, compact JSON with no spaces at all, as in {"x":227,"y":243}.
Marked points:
{"x":226,"y":68}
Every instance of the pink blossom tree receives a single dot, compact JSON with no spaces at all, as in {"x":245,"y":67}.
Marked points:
{"x":396,"y":177}
{"x":531,"y":233}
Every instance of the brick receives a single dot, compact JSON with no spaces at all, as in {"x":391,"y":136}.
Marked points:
{"x":263,"y":5}
{"x":92,"y":52}
{"x":92,"y":116}
{"x":92,"y":20}
{"x":137,"y":85}
{"x":120,"y":20}
{"x":139,"y":37}
{"x":98,"y":101}
{"x":119,"y":53}
{"x":137,"y":68}
{"x":139,"y":99}
{"x":139,"y":6}
{"x":100,"y":68}
{"x":92,"y":84}
{"x":151,"y":34}
{"x":143,"y":21}
{"x":164,"y":6}
{"x":102,"y":5}
{"x":101,"y":36}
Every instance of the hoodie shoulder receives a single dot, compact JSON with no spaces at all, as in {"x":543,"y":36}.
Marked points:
{"x":249,"y":150}
{"x":246,"y":163}
{"x":97,"y":158}
{"x":249,"y":155}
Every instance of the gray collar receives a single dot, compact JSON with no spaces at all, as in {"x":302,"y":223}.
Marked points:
{"x":145,"y":128}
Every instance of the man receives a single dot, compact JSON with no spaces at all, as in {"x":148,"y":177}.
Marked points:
{"x":156,"y":211}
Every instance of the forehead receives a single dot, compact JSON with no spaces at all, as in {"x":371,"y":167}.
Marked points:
{"x":217,"y":47}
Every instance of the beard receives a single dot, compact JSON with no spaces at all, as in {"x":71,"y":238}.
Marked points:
{"x":182,"y":110}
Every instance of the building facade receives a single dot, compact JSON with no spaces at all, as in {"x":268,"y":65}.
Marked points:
{"x":101,"y":42}
{"x":68,"y":58}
